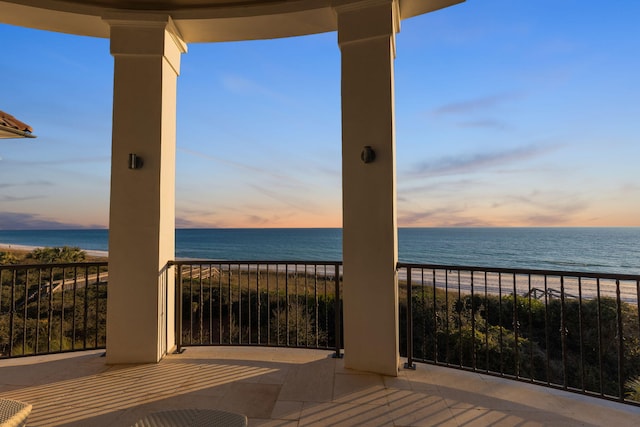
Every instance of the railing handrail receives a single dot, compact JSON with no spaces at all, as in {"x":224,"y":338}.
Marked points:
{"x":401,"y":264}
{"x":524,"y":271}
{"x":54,"y":265}
{"x":256,"y":262}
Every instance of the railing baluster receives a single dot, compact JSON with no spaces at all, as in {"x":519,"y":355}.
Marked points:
{"x":85,"y":306}
{"x":178,"y":307}
{"x":599,"y":323}
{"x":531,"y":360}
{"x":268,"y":308}
{"x":24,"y":311}
{"x":546,"y":330}
{"x":486,"y":323}
{"x":473,"y":324}
{"x":423,"y":306}
{"x":297,"y":299}
{"x":248,"y":304}
{"x":516,"y":327}
{"x":435,"y":317}
{"x":459,"y":310}
{"x":230,"y":304}
{"x":258,"y":304}
{"x":563,"y":334}
{"x":582,"y":385}
{"x":326,"y":305}
{"x":500,"y":323}
{"x":409,"y":364}
{"x":210,"y":271}
{"x":38,"y":304}
{"x":315,"y":303}
{"x":200,"y":304}
{"x":12,"y":310}
{"x":446,"y":315}
{"x":278,"y":327}
{"x":287,"y":304}
{"x":50,"y":309}
{"x":337,"y":309}
{"x":220,"y":320}
{"x":620,"y":343}
{"x":73,"y":317}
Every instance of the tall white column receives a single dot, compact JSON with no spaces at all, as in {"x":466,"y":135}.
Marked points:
{"x":366,"y":35}
{"x":140,"y":314}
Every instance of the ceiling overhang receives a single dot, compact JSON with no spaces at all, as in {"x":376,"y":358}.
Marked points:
{"x":198,"y":21}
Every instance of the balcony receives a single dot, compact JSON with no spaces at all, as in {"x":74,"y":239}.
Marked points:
{"x":287,"y":387}
{"x":264,"y":339}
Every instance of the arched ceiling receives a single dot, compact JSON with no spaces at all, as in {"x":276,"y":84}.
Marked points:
{"x":196,"y":20}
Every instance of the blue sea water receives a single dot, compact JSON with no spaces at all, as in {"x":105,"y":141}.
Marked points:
{"x":614,"y":250}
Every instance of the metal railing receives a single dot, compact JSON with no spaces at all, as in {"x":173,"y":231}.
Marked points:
{"x":52,"y":308}
{"x":570,"y":330}
{"x":263,"y":303}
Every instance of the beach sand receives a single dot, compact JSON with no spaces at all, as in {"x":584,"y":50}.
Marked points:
{"x":23,"y":248}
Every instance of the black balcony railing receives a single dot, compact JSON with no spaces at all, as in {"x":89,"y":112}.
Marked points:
{"x":575,"y":331}
{"x":52,"y":308}
{"x":264,"y":303}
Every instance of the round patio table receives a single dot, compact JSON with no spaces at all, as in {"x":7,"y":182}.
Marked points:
{"x":13,"y":413}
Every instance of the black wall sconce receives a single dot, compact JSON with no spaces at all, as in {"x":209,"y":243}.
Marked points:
{"x":135,"y":162}
{"x":368,"y":155}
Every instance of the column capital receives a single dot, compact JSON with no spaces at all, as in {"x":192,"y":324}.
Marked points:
{"x":364,"y":20}
{"x":145,"y":35}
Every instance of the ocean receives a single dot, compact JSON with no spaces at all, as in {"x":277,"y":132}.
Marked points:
{"x":612,"y":250}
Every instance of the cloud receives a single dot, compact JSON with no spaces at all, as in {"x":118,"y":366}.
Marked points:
{"x":288,"y":198}
{"x":543,"y":208}
{"x":477,"y":104}
{"x":476,"y":161}
{"x":243,"y":86}
{"x":630,"y":187}
{"x":239,"y":166}
{"x":28,"y":221}
{"x":63,"y":161}
{"x":448,"y":187}
{"x":182,"y":222}
{"x":484,"y":124}
{"x":541,"y":220}
{"x":551,"y":201}
{"x":20,"y":198}
{"x":442,"y":217}
{"x":40,"y":183}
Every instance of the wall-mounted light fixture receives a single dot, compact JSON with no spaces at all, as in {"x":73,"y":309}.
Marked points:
{"x":368,"y":155}
{"x":135,"y":162}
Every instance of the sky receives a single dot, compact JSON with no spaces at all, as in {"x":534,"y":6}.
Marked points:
{"x":509,"y":113}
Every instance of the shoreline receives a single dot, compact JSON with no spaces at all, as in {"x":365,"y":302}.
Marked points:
{"x":26,"y":248}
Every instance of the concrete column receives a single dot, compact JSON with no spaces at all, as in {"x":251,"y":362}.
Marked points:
{"x":366,"y":35}
{"x":140,"y":304}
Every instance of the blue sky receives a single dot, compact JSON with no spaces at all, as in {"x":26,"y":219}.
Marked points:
{"x":508,"y":113}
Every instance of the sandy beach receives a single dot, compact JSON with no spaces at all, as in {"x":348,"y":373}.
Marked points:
{"x":24,"y":248}
{"x":478,"y":283}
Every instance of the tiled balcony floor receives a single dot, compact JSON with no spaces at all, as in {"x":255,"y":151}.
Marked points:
{"x":288,"y":387}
